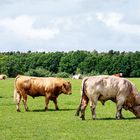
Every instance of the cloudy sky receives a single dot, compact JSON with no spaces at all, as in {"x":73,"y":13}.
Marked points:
{"x":65,"y":25}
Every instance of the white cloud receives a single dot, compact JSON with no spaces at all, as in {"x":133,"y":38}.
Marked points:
{"x":23,"y":26}
{"x":110,"y":19}
{"x":115,"y":21}
{"x":89,"y":18}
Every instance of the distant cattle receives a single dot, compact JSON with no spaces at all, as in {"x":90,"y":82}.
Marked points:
{"x":49,"y":87}
{"x":77,"y":76}
{"x":118,"y":75}
{"x":3,"y":77}
{"x":103,"y":88}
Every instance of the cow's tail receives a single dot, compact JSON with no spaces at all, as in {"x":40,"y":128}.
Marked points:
{"x":83,"y":86}
{"x":15,"y":94}
{"x":82,"y":95}
{"x":15,"y":90}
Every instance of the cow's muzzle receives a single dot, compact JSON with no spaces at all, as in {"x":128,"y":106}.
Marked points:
{"x":69,"y":93}
{"x":136,"y":110}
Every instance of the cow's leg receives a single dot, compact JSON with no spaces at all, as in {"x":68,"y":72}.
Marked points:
{"x":120,"y":103}
{"x":55,"y":103}
{"x":79,"y":107}
{"x":93,"y":111}
{"x":78,"y":110}
{"x":93,"y":102}
{"x":18,"y":99}
{"x":47,"y":102}
{"x":84,"y":104}
{"x":25,"y":102}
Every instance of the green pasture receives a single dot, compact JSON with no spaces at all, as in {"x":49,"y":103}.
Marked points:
{"x":63,"y":124}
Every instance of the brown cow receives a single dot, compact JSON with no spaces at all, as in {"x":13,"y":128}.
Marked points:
{"x":49,"y":87}
{"x":103,"y":88}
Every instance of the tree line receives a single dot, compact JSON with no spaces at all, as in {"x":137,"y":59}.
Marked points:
{"x":64,"y":64}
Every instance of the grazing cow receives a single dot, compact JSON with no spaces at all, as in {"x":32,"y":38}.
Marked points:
{"x":118,"y":75}
{"x":49,"y":87}
{"x":103,"y":88}
{"x":3,"y":77}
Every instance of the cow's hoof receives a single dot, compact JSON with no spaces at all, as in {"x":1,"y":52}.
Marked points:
{"x":76,"y":114}
{"x":46,"y":109}
{"x":122,"y":118}
{"x":82,"y":117}
{"x":119,"y":118}
{"x":27,"y":109}
{"x":18,"y":110}
{"x":93,"y":118}
{"x":57,"y":109}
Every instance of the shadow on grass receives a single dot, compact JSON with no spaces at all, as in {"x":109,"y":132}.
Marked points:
{"x":131,"y":118}
{"x":43,"y":110}
{"x":5,"y":97}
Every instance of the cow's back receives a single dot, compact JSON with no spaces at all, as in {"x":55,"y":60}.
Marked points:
{"x":22,"y":82}
{"x":37,"y":86}
{"x":107,"y":87}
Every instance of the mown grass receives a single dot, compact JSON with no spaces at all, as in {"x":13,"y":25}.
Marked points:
{"x":63,"y":124}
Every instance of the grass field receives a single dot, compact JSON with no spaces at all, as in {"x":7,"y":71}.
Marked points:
{"x":63,"y":124}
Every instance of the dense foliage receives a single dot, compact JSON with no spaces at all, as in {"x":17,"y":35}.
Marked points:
{"x":63,"y":64}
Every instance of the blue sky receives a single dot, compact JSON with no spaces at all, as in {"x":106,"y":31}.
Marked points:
{"x":66,"y":25}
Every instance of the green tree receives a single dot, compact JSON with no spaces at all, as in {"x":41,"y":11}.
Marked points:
{"x":71,"y":61}
{"x":135,"y":64}
{"x":89,"y":64}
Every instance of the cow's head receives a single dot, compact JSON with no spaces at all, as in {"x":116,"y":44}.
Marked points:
{"x":135,"y":109}
{"x":66,"y":88}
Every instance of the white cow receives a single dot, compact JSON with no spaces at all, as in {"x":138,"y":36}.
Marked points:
{"x":3,"y":77}
{"x":103,"y":88}
{"x":78,"y":76}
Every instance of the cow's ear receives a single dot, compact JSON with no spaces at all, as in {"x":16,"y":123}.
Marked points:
{"x":69,"y":83}
{"x":64,"y":85}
